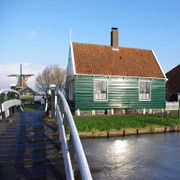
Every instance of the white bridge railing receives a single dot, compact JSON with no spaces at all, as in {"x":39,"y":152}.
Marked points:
{"x":72,"y":151}
{"x":9,"y":101}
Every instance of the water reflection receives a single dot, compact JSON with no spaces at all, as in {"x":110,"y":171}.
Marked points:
{"x":120,"y":146}
{"x":134,"y":157}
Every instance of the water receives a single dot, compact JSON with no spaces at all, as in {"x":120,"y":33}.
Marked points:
{"x":135,"y":157}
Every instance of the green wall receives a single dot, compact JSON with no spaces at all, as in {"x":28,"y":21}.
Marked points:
{"x":122,"y":93}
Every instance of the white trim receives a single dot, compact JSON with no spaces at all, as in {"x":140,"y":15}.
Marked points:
{"x":159,"y":63}
{"x":136,"y":77}
{"x":139,"y":90}
{"x":72,"y":57}
{"x":105,"y":100}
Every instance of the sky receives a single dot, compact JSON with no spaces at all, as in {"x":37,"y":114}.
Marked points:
{"x":36,"y":33}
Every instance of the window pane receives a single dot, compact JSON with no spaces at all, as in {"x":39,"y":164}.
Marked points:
{"x":144,"y":90}
{"x":100,"y":89}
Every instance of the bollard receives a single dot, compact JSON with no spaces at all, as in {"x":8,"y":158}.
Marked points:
{"x":53,"y":88}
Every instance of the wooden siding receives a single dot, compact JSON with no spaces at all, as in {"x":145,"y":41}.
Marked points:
{"x":122,"y":93}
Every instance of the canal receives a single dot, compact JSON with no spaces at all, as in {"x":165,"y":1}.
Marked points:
{"x":155,"y":156}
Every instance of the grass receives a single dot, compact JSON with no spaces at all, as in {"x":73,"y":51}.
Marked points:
{"x":26,"y":97}
{"x":106,"y":123}
{"x":31,"y":107}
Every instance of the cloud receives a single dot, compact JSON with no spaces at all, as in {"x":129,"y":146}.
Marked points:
{"x":28,"y":68}
{"x":32,"y":33}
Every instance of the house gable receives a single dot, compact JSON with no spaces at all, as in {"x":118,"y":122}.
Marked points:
{"x":26,"y":91}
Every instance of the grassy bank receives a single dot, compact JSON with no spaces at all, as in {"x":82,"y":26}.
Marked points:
{"x":31,"y":107}
{"x":106,"y":123}
{"x":26,"y":99}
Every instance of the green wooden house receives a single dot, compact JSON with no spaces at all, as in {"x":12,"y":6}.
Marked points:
{"x":111,"y":78}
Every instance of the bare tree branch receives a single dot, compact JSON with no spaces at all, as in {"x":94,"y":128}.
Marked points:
{"x":51,"y":75}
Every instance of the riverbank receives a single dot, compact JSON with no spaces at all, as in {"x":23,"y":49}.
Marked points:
{"x":109,"y":126}
{"x":129,"y":131}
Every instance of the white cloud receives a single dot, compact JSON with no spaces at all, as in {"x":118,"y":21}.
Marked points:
{"x":6,"y":69}
{"x":32,"y":33}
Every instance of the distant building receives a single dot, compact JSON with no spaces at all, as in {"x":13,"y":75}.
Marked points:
{"x":27,"y":91}
{"x":111,"y":77}
{"x":173,"y":84}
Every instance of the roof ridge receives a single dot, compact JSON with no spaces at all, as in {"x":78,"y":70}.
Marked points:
{"x":176,"y":67}
{"x":110,"y":46}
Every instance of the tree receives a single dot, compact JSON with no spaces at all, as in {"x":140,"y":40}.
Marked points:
{"x":53,"y":74}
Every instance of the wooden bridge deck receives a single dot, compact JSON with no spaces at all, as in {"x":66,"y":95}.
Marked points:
{"x":29,"y":148}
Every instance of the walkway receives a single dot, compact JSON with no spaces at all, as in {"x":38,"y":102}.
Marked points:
{"x":29,"y":148}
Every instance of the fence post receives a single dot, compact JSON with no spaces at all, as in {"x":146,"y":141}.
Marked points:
{"x":53,"y":88}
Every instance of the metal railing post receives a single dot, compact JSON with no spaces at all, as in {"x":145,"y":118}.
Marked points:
{"x":74,"y":149}
{"x":9,"y":98}
{"x":14,"y":107}
{"x":1,"y":101}
{"x":53,"y":88}
{"x":13,"y":87}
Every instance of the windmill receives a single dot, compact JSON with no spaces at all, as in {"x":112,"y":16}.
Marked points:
{"x":22,"y":78}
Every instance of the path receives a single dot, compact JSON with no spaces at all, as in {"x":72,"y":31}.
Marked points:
{"x":29,"y":148}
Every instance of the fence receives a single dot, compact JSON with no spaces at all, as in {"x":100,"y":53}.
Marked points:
{"x":9,"y":101}
{"x":172,"y":105}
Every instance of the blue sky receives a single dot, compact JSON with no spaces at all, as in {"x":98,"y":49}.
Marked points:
{"x":37,"y":32}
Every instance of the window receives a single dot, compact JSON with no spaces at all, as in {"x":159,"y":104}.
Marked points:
{"x":100,"y":90}
{"x":144,"y":91}
{"x":71,"y":90}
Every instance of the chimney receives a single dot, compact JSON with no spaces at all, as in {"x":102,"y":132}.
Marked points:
{"x":114,"y":39}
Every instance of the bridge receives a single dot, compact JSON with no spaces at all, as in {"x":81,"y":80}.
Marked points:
{"x":32,"y":147}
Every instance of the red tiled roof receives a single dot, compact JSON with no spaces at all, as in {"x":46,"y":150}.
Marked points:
{"x":102,"y":60}
{"x":19,"y":90}
{"x":173,"y":83}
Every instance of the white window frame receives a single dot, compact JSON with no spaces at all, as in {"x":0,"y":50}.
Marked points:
{"x":149,"y":92}
{"x":99,"y":100}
